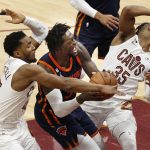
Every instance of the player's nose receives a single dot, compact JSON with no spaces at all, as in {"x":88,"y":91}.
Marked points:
{"x":33,"y":47}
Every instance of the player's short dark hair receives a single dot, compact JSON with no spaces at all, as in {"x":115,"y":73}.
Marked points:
{"x":141,"y":27}
{"x":12,"y":41}
{"x":54,"y":38}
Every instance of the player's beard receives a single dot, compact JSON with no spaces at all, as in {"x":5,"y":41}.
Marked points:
{"x":30,"y":60}
{"x":34,"y":60}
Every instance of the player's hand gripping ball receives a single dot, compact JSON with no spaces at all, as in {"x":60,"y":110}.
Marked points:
{"x":104,"y":78}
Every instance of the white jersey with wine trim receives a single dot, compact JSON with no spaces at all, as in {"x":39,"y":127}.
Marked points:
{"x":129,"y":63}
{"x":12,"y":103}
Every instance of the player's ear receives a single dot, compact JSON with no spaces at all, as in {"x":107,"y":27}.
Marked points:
{"x":16,"y":53}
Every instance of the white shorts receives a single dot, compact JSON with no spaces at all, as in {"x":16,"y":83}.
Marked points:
{"x":112,"y":116}
{"x":18,"y":138}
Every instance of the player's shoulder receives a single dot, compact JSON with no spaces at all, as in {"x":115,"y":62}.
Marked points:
{"x":45,"y":56}
{"x":24,"y":68}
{"x":28,"y":69}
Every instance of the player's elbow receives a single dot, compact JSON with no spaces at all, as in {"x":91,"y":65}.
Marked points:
{"x":129,"y":10}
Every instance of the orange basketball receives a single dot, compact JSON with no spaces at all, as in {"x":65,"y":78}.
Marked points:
{"x":104,"y":78}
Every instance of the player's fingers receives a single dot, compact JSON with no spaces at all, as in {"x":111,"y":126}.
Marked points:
{"x":147,"y":75}
{"x":113,"y":25}
{"x":115,"y":22}
{"x":9,"y":11}
{"x":113,"y":73}
{"x":109,"y":27}
{"x":115,"y":19}
{"x":109,"y":71}
{"x":9,"y":21}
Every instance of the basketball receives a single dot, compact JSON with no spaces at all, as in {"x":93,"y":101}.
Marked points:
{"x":104,"y":78}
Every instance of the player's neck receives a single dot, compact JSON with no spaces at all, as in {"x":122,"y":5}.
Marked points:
{"x":62,"y":60}
{"x":143,"y":42}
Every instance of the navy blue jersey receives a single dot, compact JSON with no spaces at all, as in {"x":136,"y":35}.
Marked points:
{"x":66,"y":129}
{"x":73,"y":71}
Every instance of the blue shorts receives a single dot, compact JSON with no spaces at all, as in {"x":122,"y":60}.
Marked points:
{"x":92,"y":34}
{"x":66,"y":133}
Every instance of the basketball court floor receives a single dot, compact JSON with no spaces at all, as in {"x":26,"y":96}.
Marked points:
{"x":50,"y":12}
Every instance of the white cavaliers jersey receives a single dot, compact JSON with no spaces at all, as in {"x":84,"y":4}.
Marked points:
{"x":129,"y":63}
{"x":12,"y":103}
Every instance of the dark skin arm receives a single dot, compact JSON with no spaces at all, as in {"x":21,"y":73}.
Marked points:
{"x":127,"y":22}
{"x":93,"y":96}
{"x":87,"y":64}
{"x":28,"y":73}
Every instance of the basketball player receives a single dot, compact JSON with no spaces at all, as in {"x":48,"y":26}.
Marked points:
{"x":55,"y":110}
{"x":17,"y":83}
{"x":129,"y":59}
{"x":96,"y":24}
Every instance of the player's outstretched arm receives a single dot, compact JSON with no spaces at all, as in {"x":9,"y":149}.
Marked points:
{"x":56,"y":101}
{"x":29,"y":73}
{"x":39,"y":30}
{"x":87,"y":64}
